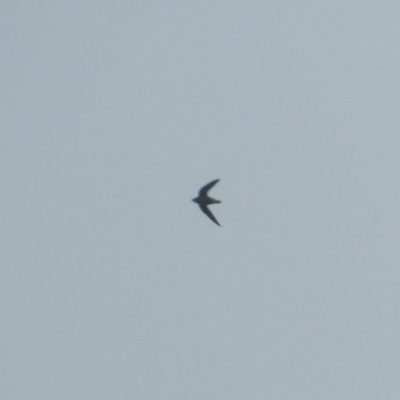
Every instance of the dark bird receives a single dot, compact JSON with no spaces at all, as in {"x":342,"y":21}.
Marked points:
{"x":203,"y":200}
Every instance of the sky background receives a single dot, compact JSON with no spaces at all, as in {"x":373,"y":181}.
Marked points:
{"x":114,"y":285}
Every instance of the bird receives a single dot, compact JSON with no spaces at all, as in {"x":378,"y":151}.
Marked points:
{"x":203,"y":200}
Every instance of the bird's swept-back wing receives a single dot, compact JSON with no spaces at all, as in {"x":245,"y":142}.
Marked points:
{"x":203,"y":191}
{"x":209,"y":214}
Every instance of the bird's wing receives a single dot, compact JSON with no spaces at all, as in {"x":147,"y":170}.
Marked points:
{"x":209,"y":214}
{"x":203,"y":191}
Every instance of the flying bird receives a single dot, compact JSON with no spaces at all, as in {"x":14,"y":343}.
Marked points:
{"x":203,"y":200}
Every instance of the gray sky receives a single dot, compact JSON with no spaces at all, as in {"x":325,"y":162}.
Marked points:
{"x":114,"y":285}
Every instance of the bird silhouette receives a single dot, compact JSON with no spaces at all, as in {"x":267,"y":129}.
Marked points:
{"x":203,"y":200}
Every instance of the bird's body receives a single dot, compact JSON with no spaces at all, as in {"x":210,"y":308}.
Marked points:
{"x":203,"y":200}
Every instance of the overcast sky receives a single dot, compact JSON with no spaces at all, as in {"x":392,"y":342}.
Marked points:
{"x":114,"y":285}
